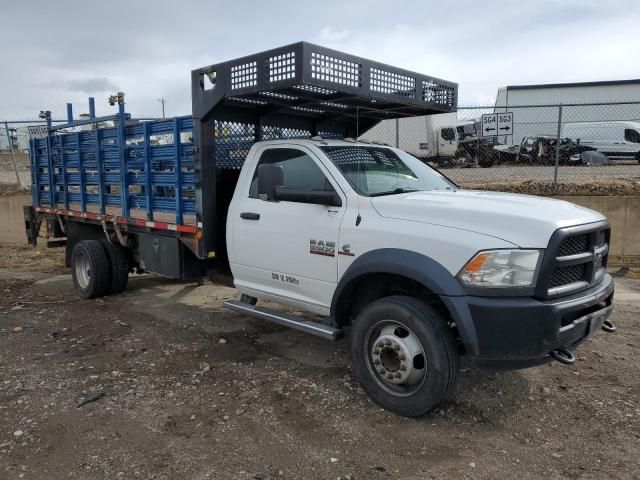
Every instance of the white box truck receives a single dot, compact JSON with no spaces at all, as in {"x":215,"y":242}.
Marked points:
{"x":441,"y":139}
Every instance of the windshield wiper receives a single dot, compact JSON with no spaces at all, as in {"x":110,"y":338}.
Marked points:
{"x":395,"y":191}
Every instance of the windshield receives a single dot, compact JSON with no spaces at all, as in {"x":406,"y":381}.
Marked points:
{"x":375,"y":171}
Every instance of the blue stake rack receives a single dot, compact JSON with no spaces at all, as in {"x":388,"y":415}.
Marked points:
{"x":87,"y":166}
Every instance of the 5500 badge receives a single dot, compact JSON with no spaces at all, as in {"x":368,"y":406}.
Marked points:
{"x":281,"y":277}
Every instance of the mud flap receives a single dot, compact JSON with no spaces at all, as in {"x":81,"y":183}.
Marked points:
{"x":32,"y":223}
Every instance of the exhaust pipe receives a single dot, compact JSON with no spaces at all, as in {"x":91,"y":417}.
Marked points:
{"x":563,"y":356}
{"x":608,"y":326}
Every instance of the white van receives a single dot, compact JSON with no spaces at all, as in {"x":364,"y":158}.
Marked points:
{"x":618,"y":139}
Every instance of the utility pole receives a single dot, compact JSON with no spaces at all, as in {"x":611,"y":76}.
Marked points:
{"x":162,"y":101}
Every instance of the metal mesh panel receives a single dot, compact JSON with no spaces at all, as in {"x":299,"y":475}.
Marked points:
{"x":314,"y":89}
{"x":389,"y":82}
{"x":573,"y":245}
{"x":281,"y":67}
{"x":244,"y":75}
{"x":435,"y":92}
{"x":565,"y":275}
{"x":345,"y":157}
{"x":331,"y":69}
{"x":233,"y":142}
{"x":276,"y":133}
{"x":280,"y":96}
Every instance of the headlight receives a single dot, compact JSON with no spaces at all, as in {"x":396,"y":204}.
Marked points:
{"x":501,"y":268}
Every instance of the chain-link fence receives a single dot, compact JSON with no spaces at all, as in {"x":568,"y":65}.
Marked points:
{"x":560,"y":145}
{"x":14,"y":151}
{"x":595,"y":145}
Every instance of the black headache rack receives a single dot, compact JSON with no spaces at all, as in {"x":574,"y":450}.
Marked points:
{"x":297,"y":91}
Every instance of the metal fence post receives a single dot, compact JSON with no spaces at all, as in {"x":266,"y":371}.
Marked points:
{"x":555,"y":170}
{"x":397,"y":133}
{"x":13,"y":153}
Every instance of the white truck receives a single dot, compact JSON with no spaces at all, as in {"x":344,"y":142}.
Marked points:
{"x":440,"y":138}
{"x":372,"y":241}
{"x":615,"y":139}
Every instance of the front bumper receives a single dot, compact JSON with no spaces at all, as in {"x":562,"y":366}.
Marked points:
{"x":515,"y":332}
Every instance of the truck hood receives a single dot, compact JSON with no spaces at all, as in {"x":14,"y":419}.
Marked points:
{"x":524,"y":220}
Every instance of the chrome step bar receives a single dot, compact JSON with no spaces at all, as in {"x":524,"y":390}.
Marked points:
{"x":314,"y":328}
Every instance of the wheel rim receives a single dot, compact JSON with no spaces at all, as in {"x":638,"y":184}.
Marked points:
{"x":83,"y":270}
{"x":395,"y":358}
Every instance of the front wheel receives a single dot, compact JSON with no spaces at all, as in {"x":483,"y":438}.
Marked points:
{"x":404,"y":355}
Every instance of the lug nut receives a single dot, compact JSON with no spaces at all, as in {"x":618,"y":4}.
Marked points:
{"x":390,"y":376}
{"x":387,"y":343}
{"x":403,"y":367}
{"x":379,"y":344}
{"x":402,"y":356}
{"x":376,"y":352}
{"x":381,"y":371}
{"x":398,"y":375}
{"x":396,"y":347}
{"x":376,"y":362}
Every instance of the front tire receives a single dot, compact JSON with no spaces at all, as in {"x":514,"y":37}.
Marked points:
{"x":90,"y":269}
{"x":404,"y":355}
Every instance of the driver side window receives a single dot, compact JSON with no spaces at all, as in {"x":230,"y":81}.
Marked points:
{"x":300,"y":170}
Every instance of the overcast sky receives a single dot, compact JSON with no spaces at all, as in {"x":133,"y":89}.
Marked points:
{"x":54,"y":52}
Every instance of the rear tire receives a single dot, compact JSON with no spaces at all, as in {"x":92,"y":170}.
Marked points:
{"x":404,"y":355}
{"x":90,"y":269}
{"x":119,"y":260}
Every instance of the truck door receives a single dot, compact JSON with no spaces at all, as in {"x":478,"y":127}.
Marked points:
{"x":447,"y":142}
{"x":288,"y":250}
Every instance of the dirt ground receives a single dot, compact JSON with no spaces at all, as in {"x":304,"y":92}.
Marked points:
{"x":161,"y":383}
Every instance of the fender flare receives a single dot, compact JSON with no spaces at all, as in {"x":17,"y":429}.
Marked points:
{"x":422,"y":269}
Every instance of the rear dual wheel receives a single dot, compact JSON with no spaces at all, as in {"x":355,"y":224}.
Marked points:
{"x":119,"y":260}
{"x":404,"y":355}
{"x":99,"y":268}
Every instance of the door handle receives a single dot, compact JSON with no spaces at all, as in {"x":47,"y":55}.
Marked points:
{"x":250,"y":216}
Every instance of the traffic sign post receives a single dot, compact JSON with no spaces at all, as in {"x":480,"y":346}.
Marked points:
{"x":497,"y":124}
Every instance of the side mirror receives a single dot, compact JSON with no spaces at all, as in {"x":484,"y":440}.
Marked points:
{"x":269,"y":177}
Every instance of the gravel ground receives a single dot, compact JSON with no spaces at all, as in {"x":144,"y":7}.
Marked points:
{"x":521,"y":173}
{"x":162,"y":383}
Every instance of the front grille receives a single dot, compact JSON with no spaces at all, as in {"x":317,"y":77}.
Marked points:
{"x":576,"y":259}
{"x":573,"y":245}
{"x":566,"y":275}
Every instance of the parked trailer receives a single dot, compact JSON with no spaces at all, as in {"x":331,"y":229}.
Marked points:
{"x":441,"y":139}
{"x":265,"y":182}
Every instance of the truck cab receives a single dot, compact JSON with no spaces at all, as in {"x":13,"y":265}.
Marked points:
{"x":378,"y":231}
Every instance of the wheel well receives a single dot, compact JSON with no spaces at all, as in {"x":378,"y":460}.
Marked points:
{"x":368,"y":288}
